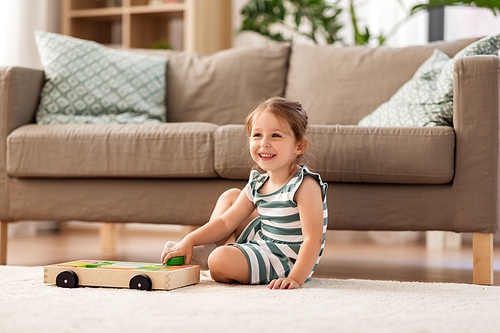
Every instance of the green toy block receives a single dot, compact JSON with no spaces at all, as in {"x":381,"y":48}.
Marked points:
{"x":175,"y":261}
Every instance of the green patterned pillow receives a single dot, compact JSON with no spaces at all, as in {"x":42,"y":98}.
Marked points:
{"x":427,"y":99}
{"x":86,"y":82}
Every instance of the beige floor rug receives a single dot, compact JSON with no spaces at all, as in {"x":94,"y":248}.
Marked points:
{"x":322,"y":305}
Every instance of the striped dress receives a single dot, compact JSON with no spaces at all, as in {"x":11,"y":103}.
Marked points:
{"x":271,"y":242}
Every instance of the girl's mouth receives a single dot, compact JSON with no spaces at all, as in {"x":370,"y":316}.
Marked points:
{"x":266,"y":157}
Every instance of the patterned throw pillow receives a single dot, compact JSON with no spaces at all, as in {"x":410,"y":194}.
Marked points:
{"x":86,"y":82}
{"x":427,"y":99}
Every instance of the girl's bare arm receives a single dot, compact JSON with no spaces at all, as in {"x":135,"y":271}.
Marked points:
{"x":309,"y":201}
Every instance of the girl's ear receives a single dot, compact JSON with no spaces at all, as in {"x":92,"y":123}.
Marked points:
{"x":301,"y":147}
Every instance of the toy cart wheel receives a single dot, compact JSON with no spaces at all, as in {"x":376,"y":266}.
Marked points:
{"x":141,"y":282}
{"x":67,"y":279}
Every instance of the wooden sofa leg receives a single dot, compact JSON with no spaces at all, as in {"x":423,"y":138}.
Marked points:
{"x":482,"y":253}
{"x":108,"y":235}
{"x":3,"y":243}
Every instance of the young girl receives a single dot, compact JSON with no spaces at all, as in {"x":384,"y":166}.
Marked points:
{"x":279,"y":219}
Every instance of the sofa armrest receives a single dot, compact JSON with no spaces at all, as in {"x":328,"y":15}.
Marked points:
{"x":476,"y":123}
{"x":19,"y":94}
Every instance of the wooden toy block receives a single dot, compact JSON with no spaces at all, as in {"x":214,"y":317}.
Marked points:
{"x":144,"y":276}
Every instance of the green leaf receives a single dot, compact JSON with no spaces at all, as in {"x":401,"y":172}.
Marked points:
{"x":298,"y":17}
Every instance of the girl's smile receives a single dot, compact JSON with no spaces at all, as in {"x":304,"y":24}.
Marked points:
{"x":267,"y":157}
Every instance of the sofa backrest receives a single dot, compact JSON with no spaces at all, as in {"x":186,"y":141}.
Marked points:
{"x":224,"y":87}
{"x":341,"y":85}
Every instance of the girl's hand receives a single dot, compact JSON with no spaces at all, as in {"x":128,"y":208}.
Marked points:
{"x":182,"y":249}
{"x":284,"y":283}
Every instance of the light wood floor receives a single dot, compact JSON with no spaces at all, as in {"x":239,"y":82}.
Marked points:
{"x":362,"y":259}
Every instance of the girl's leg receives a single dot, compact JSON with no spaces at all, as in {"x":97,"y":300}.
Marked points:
{"x":226,"y":200}
{"x":229,"y":264}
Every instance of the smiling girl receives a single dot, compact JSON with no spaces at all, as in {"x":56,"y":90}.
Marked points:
{"x":279,"y":219}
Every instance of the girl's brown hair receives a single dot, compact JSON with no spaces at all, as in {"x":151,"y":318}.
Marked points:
{"x":292,"y":112}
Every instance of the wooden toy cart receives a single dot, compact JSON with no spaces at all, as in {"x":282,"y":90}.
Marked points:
{"x":143,"y":276}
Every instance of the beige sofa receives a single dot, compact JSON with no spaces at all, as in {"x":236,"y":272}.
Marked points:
{"x":420,"y":178}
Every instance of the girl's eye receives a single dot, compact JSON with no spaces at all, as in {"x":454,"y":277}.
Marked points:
{"x":276,"y":136}
{"x":256,"y":135}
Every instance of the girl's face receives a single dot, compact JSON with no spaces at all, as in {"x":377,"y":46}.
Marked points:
{"x":272,"y":143}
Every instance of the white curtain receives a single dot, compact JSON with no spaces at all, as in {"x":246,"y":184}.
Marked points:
{"x":18,"y":21}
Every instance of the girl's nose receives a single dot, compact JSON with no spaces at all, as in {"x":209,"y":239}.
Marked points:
{"x":265,"y":143}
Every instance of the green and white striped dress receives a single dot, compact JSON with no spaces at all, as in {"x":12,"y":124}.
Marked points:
{"x":271,"y":242}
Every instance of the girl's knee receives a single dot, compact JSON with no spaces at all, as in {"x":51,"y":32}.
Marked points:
{"x":216,"y":264}
{"x":230,"y":195}
{"x":228,"y":264}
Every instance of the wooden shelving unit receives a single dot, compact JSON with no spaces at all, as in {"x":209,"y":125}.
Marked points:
{"x":205,"y":24}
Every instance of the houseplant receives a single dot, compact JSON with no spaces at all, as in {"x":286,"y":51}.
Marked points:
{"x":315,"y":20}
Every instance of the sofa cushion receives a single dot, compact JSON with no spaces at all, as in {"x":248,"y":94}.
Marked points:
{"x":87,"y":82}
{"x":147,"y":150}
{"x":232,"y":156}
{"x":412,"y":155}
{"x":224,"y":87}
{"x":427,"y":99}
{"x":341,"y":85}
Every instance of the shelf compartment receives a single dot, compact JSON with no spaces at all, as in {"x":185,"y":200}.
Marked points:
{"x":89,"y":4}
{"x":104,"y":30}
{"x":147,"y":29}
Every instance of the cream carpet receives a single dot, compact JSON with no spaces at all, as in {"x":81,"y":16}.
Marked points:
{"x":322,"y":305}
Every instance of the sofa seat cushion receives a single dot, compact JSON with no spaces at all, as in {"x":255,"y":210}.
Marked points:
{"x":175,"y":150}
{"x":412,"y":155}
